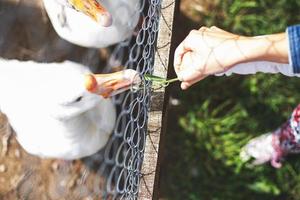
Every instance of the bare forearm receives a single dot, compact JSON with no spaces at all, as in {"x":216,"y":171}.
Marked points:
{"x":272,"y":48}
{"x":212,"y":50}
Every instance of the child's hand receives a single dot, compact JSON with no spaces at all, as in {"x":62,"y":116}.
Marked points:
{"x":264,"y":148}
{"x":204,"y":52}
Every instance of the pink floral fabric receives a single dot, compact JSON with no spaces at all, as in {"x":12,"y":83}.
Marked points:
{"x":286,"y":139}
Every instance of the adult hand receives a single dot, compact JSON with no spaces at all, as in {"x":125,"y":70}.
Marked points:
{"x":212,"y":50}
{"x":204,"y":52}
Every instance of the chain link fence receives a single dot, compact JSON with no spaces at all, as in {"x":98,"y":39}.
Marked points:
{"x":124,"y":153}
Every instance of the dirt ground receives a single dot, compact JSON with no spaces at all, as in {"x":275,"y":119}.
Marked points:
{"x":26,"y":33}
{"x":23,"y":176}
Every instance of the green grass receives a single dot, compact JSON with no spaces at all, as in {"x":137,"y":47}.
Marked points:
{"x":220,"y":114}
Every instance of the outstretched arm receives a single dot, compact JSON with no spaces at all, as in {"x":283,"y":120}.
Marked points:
{"x":212,"y":50}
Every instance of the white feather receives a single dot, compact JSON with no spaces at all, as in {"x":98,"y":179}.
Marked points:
{"x":39,"y":100}
{"x":80,"y":29}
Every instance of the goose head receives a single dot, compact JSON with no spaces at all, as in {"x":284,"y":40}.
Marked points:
{"x":94,"y":23}
{"x":79,"y":93}
{"x":91,"y":8}
{"x":66,"y":96}
{"x":60,"y":110}
{"x":61,"y":90}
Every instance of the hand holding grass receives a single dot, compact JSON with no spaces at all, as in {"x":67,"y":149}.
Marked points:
{"x":208,"y":51}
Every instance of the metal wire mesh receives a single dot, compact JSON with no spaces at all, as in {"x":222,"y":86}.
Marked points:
{"x":125,"y":151}
{"x":115,"y":170}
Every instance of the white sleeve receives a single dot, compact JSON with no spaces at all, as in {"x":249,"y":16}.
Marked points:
{"x":260,"y":66}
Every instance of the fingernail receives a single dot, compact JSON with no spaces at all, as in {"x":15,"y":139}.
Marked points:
{"x":184,"y":86}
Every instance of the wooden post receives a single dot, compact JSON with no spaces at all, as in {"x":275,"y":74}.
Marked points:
{"x":150,"y":169}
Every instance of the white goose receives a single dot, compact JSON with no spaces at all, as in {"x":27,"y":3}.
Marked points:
{"x":87,"y":23}
{"x":56,"y":109}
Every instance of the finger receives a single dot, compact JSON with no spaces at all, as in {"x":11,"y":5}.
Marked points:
{"x":186,"y":84}
{"x":212,"y":36}
{"x":190,"y":42}
{"x":276,"y":164}
{"x":203,"y":28}
{"x":214,"y":28}
{"x":180,"y":51}
{"x":258,"y":161}
{"x":187,"y":70}
{"x":178,"y":58}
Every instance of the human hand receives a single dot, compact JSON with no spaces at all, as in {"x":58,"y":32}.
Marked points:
{"x":212,"y":50}
{"x":262,"y":149}
{"x":205,"y":52}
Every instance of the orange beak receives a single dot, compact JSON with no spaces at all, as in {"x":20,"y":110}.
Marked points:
{"x":108,"y":85}
{"x":93,"y":9}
